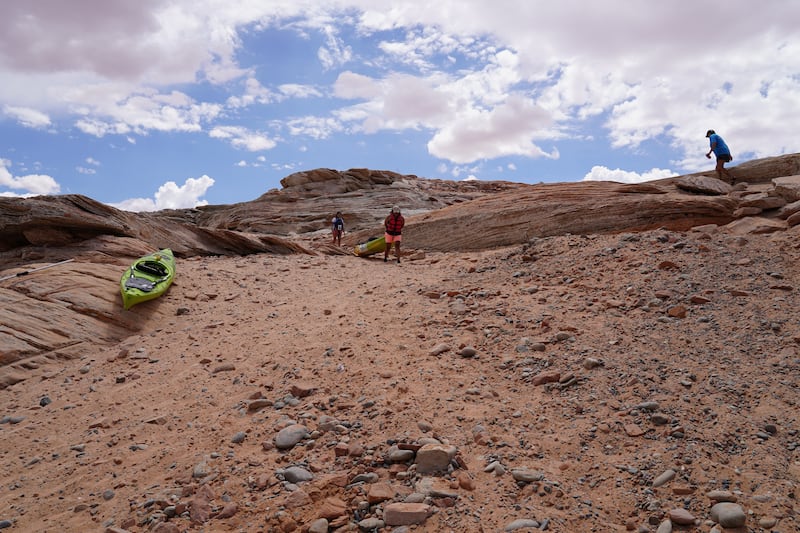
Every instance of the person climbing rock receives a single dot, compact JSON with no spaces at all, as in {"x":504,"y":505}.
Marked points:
{"x":723,"y":153}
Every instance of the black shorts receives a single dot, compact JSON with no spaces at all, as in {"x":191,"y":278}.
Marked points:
{"x":724,"y":158}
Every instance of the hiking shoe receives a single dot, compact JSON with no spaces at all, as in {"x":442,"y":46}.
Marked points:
{"x":398,"y":260}
{"x":385,"y":259}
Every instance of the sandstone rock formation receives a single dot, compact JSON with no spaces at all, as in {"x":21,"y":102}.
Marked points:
{"x":442,"y":215}
{"x":47,"y":226}
{"x":309,"y":199}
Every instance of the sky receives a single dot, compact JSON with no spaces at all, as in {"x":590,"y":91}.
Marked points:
{"x":166,"y":104}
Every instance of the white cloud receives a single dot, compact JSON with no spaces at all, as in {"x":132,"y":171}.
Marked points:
{"x":335,"y":52}
{"x":314,"y":127}
{"x":136,"y":205}
{"x":409,"y":101}
{"x":397,"y":102}
{"x":28,"y":117}
{"x":426,"y":47}
{"x":600,"y":173}
{"x":353,"y":86}
{"x":254,"y":93}
{"x":458,"y":170}
{"x":99,"y":128}
{"x":143,"y":41}
{"x":171,"y":196}
{"x":285,"y":166}
{"x":138,"y":113}
{"x":243,"y":138}
{"x":508,"y":129}
{"x":29,"y":184}
{"x":259,"y":161}
{"x":478,"y":115}
{"x":296,"y":90}
{"x":581,"y":60}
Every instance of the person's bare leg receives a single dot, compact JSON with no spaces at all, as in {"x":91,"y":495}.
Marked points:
{"x":397,"y":250}
{"x":728,"y":173}
{"x":722,"y":172}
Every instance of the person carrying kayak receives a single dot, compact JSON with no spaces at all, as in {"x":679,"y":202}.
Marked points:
{"x":394,"y":232}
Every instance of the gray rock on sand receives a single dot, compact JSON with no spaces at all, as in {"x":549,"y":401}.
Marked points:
{"x":468,"y":352}
{"x":664,"y":478}
{"x":319,"y":525}
{"x":434,"y":458}
{"x":526,"y":475}
{"x":665,"y":527}
{"x":296,"y":474}
{"x":728,"y":515}
{"x":290,"y":436}
{"x":522,"y":523}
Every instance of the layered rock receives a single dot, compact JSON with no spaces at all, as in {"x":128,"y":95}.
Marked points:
{"x":309,"y":199}
{"x":48,"y":227}
{"x":441,"y":215}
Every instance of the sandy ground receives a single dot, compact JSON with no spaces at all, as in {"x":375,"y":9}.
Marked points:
{"x":567,"y":378}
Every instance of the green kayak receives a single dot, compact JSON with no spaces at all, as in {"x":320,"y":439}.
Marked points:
{"x":147,"y":278}
{"x":372,"y":246}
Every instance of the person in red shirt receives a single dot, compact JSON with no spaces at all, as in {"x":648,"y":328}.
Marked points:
{"x":394,"y":233}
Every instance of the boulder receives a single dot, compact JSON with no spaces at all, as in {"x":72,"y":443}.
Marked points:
{"x":793,"y":220}
{"x":764,"y":170}
{"x":406,"y":514}
{"x":763,"y":200}
{"x":787,"y":187}
{"x":703,"y":185}
{"x":728,"y":515}
{"x":434,"y":458}
{"x":747,"y":212}
{"x":789,"y":209}
{"x":756,"y":225}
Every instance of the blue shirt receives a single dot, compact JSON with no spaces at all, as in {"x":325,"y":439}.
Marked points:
{"x":721,"y":148}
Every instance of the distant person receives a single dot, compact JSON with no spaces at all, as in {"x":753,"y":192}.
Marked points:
{"x":337,"y":228}
{"x":394,"y":232}
{"x":723,"y":154}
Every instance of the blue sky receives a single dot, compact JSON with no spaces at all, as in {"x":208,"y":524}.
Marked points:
{"x":160,"y":104}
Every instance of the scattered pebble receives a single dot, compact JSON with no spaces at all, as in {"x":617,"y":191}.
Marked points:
{"x":664,"y":478}
{"x":522,"y":523}
{"x":728,"y":515}
{"x":468,"y":352}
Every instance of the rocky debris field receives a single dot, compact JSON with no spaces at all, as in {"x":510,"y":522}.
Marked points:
{"x":643,"y":381}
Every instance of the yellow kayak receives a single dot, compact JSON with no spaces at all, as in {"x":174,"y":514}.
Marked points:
{"x":372,"y":246}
